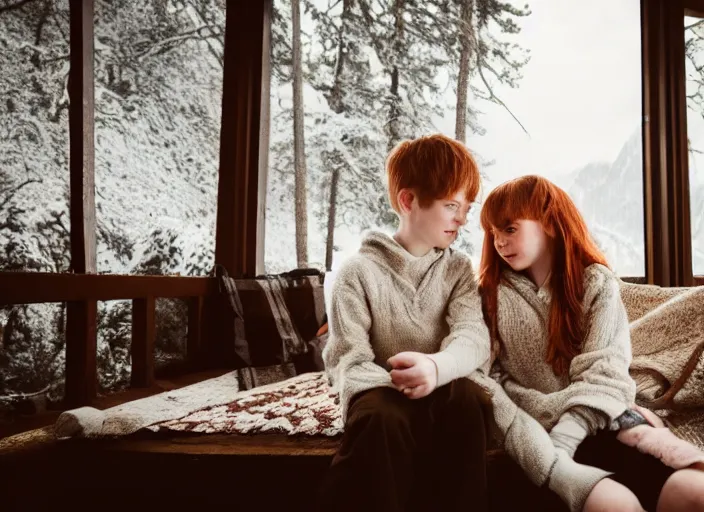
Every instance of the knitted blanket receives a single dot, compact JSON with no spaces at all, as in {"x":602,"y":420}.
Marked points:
{"x":304,"y":405}
{"x":667,"y":334}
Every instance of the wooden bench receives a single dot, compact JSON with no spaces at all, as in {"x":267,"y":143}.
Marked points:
{"x":146,"y":472}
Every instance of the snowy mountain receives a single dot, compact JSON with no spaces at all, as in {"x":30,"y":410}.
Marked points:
{"x":610,"y":197}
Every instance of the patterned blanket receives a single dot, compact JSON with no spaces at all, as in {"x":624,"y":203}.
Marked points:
{"x":301,"y":405}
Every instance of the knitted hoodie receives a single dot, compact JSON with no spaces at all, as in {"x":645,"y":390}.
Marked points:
{"x":386,"y":301}
{"x":531,"y":400}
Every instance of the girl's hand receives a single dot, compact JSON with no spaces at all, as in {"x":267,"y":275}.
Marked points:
{"x":413,"y":373}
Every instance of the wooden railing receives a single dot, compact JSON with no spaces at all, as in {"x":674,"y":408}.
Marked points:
{"x":82,"y":292}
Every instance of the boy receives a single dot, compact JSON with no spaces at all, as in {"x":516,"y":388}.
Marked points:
{"x":405,"y":326}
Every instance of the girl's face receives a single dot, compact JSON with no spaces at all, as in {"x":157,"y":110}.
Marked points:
{"x":522,"y":244}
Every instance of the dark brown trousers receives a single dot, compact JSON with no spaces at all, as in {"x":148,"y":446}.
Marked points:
{"x":399,"y":454}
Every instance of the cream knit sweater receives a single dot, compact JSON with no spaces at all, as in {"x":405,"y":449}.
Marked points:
{"x":532,"y":401}
{"x":386,"y":301}
{"x":598,"y":388}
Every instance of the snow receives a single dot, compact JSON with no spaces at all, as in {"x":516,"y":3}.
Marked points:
{"x":158,"y":101}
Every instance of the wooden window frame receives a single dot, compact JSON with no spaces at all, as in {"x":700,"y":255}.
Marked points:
{"x":694,"y":8}
{"x":240,"y":213}
{"x":81,"y":316}
{"x":239,"y":238}
{"x":668,"y":235}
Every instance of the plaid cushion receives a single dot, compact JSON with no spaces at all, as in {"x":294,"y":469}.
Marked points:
{"x":275,"y":320}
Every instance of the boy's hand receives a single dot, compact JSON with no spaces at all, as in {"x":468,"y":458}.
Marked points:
{"x":413,"y":373}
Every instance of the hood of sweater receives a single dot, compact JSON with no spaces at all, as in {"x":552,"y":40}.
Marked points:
{"x":387,"y":252}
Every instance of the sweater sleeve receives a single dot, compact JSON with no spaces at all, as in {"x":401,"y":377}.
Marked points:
{"x":467,"y":346}
{"x":527,"y":442}
{"x":348,"y":355}
{"x":601,"y":388}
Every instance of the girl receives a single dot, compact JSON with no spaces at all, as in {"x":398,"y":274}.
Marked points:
{"x":555,"y":314}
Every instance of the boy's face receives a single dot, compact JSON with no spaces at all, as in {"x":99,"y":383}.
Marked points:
{"x":438,"y":224}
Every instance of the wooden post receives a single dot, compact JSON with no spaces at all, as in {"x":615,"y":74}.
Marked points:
{"x":142,"y":349}
{"x":242,"y":183}
{"x":668,"y":238}
{"x":81,"y":317}
{"x":239,"y":235}
{"x":694,"y":8}
{"x":195,"y":326}
{"x":81,"y":363}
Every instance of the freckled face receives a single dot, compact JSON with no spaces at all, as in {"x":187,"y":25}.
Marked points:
{"x":438,"y":224}
{"x":521,"y":244}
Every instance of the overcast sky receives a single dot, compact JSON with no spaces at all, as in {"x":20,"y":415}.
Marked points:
{"x":580,"y":96}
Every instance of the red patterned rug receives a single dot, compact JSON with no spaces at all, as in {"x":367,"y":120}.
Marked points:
{"x":300,"y":405}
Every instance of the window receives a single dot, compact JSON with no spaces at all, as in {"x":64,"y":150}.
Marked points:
{"x":571,"y":112}
{"x":694,"y":66}
{"x":34,"y":209}
{"x":115,"y":340}
{"x":158,"y":103}
{"x":32,"y":355}
{"x":158,"y":97}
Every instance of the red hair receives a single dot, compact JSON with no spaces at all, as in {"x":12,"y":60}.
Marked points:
{"x":535,"y":198}
{"x":433,"y":167}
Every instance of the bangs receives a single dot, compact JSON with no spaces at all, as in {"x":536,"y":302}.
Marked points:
{"x":447,"y":168}
{"x":511,"y":201}
{"x":435,"y":167}
{"x":463,"y":177}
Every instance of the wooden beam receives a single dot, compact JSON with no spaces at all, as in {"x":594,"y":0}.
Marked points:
{"x":665,"y":174}
{"x":240,"y":215}
{"x":38,"y":287}
{"x":142,"y":349}
{"x":194,"y":341}
{"x":81,"y":363}
{"x":81,"y":317}
{"x":81,"y":137}
{"x":694,"y":8}
{"x":654,"y":265}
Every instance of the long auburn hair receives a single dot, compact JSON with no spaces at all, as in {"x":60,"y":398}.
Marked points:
{"x":536,"y":198}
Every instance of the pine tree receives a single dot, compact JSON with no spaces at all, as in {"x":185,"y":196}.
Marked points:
{"x":299,"y":157}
